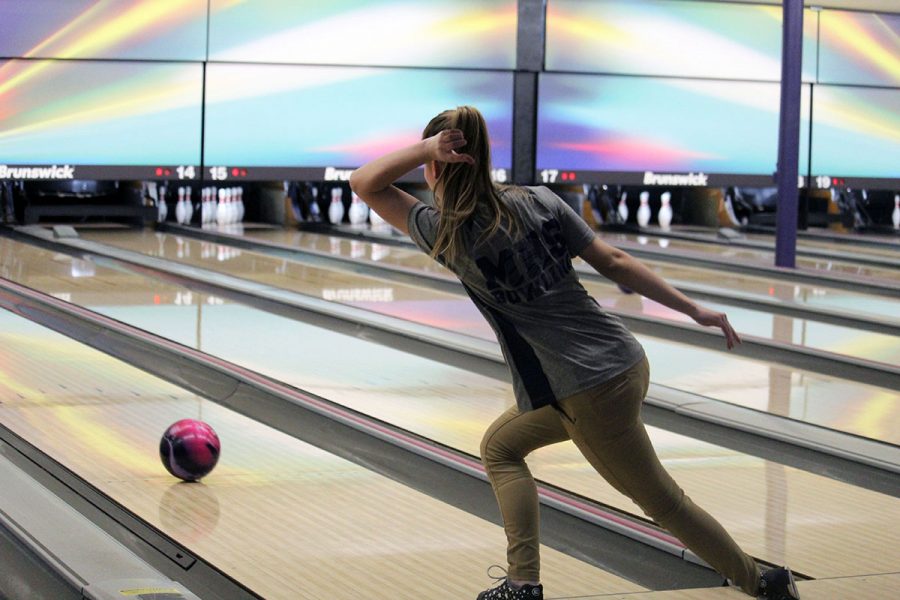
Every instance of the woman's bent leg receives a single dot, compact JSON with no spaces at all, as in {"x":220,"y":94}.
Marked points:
{"x":503,"y":449}
{"x":606,"y":426}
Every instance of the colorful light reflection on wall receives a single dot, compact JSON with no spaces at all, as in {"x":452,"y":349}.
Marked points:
{"x":613,"y":123}
{"x":859,"y":48}
{"x":856,"y":132}
{"x":295,"y":116}
{"x":99,"y":113}
{"x":108,"y":29}
{"x":437,"y":33}
{"x":671,"y":38}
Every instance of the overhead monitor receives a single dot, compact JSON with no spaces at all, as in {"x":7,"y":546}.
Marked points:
{"x":659,"y":131}
{"x":68,"y":119}
{"x":856,"y":137}
{"x":672,"y":38}
{"x":267,"y":122}
{"x":437,"y":33}
{"x":859,"y":48}
{"x":103,"y":29}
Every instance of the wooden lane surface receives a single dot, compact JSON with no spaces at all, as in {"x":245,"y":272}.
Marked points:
{"x":717,"y":278}
{"x":848,"y":247}
{"x":819,"y":526}
{"x":833,"y":338}
{"x":280,"y":516}
{"x":866,"y":587}
{"x":842,"y":266}
{"x":848,"y":406}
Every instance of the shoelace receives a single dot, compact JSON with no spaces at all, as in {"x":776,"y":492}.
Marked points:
{"x":501,"y":583}
{"x":498,"y":580}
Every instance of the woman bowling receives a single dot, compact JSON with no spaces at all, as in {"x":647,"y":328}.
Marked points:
{"x":577,"y":372}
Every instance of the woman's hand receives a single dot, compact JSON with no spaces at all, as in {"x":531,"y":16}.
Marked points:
{"x":710,"y":318}
{"x":442,"y":147}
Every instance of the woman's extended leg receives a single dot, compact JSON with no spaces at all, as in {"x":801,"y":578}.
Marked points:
{"x":605,"y":424}
{"x":503,"y":449}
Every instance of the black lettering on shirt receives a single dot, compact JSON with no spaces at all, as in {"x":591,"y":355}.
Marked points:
{"x":529,"y":268}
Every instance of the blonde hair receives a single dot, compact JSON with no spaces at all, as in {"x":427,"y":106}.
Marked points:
{"x":467,"y":191}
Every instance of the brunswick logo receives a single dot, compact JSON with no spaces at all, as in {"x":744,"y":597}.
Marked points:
{"x":54,"y":172}
{"x":695,"y":179}
{"x":332,"y":174}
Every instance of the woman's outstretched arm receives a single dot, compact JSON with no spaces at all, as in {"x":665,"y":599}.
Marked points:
{"x":624,"y":269}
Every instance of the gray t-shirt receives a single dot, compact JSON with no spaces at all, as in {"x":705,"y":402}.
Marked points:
{"x":556,"y":339}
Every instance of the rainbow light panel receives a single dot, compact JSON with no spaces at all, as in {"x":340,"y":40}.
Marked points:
{"x":671,"y":38}
{"x":437,"y":33}
{"x":856,"y":132}
{"x":100,"y":113}
{"x":859,"y":48}
{"x":627,"y":124}
{"x":109,"y":29}
{"x":298,"y":116}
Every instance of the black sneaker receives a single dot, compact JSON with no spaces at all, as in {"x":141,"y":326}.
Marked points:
{"x":505,"y":591}
{"x":778,"y":584}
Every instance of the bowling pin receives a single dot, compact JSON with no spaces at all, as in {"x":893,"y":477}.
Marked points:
{"x":188,"y":206}
{"x":358,"y":210}
{"x":623,"y":207}
{"x":375,"y":218}
{"x":220,"y":207}
{"x":240,"y":204}
{"x":230,"y":209}
{"x":213,"y":205}
{"x":643,"y":213}
{"x":179,"y":206}
{"x":315,"y":214}
{"x":162,"y":211}
{"x":210,"y":206}
{"x":665,"y":211}
{"x":895,"y":216}
{"x":163,"y":191}
{"x":336,"y":209}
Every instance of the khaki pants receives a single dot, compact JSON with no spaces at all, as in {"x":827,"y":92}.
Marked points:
{"x":605,"y":424}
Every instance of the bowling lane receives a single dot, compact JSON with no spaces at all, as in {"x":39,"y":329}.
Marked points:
{"x":814,"y":296}
{"x":332,"y":284}
{"x":854,"y":245}
{"x":820,"y":526}
{"x":844,"y":266}
{"x":885,"y":252}
{"x":826,"y":401}
{"x":282,"y":517}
